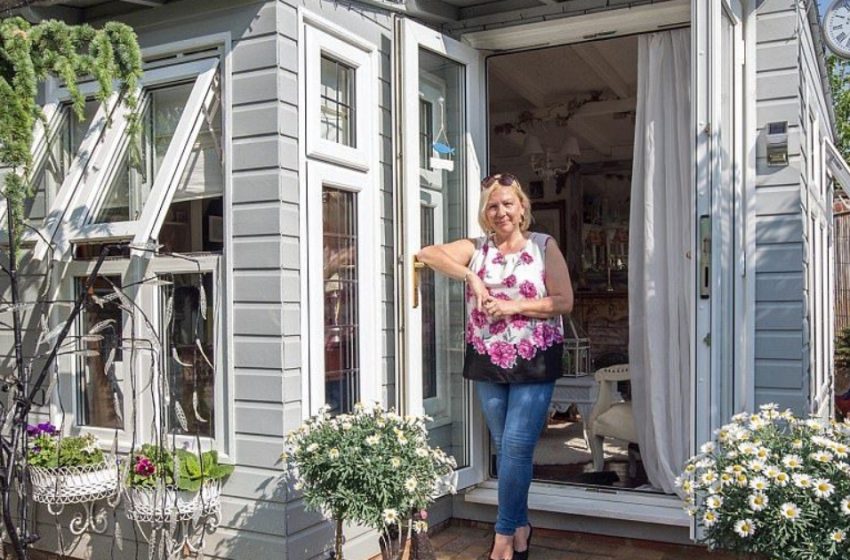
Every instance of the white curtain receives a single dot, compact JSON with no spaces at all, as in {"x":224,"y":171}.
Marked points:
{"x":660,"y":273}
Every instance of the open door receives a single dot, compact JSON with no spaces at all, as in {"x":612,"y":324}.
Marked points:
{"x":722,"y":384}
{"x":442,"y":131}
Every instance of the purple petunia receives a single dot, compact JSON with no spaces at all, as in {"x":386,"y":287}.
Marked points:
{"x":32,"y":431}
{"x":503,"y":354}
{"x":46,"y":428}
{"x":528,"y":290}
{"x":509,"y":281}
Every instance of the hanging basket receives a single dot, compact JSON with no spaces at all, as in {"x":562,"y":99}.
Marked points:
{"x":74,"y":485}
{"x":164,"y":504}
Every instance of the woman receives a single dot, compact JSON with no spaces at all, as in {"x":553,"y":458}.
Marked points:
{"x":518,"y":287}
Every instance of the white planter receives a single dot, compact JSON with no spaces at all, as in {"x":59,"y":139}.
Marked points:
{"x":72,"y":485}
{"x":166,"y":503}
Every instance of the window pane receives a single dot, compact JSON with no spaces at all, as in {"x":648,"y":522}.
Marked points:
{"x":426,"y":133}
{"x":203,"y":176}
{"x":342,"y":329}
{"x":99,"y":392}
{"x":64,"y":147}
{"x":337,"y":102}
{"x":189,"y":345}
{"x":130,"y":187}
{"x":428,"y":289}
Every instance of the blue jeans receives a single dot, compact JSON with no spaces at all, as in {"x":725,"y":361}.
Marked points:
{"x":515,"y":414}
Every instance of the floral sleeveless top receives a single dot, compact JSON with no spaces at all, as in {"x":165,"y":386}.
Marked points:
{"x":518,"y":348}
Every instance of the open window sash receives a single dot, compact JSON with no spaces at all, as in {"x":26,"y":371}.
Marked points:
{"x":70,"y":217}
{"x":55,"y":117}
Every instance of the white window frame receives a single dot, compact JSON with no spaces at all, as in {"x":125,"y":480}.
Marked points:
{"x":320,"y":175}
{"x":321,"y":38}
{"x":77,"y":202}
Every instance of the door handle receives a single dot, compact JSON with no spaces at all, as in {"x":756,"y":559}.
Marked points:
{"x":417,"y":272}
{"x":704,"y":257}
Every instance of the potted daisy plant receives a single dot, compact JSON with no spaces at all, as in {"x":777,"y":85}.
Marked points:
{"x":372,"y":467}
{"x":774,"y":486}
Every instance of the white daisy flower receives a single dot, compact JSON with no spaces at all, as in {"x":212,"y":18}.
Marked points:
{"x":845,"y":506}
{"x":758,"y":501}
{"x":759,"y":484}
{"x":789,"y":511}
{"x":802,"y":480}
{"x":709,"y":519}
{"x":688,"y":487}
{"x":373,"y":440}
{"x":410,"y":484}
{"x":726,"y":479}
{"x":747,"y":448}
{"x":333,"y":454}
{"x":298,"y":486}
{"x":792,"y":462}
{"x":767,"y":407}
{"x":395,"y":462}
{"x":763,"y":453}
{"x":740,"y":417}
{"x":781,"y":479}
{"x":420,"y":526}
{"x":838,"y":536}
{"x":841,"y":450}
{"x":707,"y":447}
{"x":708,"y":478}
{"x":690,"y":468}
{"x":745,"y":528}
{"x":823,"y":488}
{"x":741,"y":481}
{"x":312,"y":447}
{"x":713,"y":502}
{"x":756,"y":465}
{"x":770,"y":471}
{"x":732,"y":454}
{"x":705,"y":463}
{"x":390,"y":516}
{"x":797,"y":444}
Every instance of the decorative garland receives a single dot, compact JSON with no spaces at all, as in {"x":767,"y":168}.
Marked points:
{"x":559,"y":114}
{"x":29,"y":54}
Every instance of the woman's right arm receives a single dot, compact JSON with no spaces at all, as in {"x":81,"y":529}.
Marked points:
{"x":452,"y":259}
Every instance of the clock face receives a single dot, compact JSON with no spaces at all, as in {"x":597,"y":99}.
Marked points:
{"x":836,"y":27}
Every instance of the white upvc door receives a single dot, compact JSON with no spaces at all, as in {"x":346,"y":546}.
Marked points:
{"x":442,"y":113}
{"x":722,"y":382}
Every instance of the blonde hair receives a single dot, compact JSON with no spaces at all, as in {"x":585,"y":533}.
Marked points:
{"x":486,"y":192}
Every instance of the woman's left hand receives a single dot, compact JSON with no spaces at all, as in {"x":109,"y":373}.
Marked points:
{"x":498,"y":308}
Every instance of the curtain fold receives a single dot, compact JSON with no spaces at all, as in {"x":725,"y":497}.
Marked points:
{"x":660,"y":273}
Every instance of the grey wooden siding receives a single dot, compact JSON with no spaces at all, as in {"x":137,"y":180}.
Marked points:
{"x":790,"y":327}
{"x":779,"y":347}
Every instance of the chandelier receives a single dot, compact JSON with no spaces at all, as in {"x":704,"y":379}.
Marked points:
{"x":547,"y":163}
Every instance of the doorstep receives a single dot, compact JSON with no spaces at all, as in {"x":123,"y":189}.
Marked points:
{"x":626,"y":505}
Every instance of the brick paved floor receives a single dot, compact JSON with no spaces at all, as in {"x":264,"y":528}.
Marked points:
{"x":472,"y":542}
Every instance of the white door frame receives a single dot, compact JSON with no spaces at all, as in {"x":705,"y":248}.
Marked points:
{"x":413,"y":37}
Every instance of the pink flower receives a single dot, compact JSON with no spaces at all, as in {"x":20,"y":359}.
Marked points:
{"x":481,"y":272}
{"x":538,"y":337}
{"x":144,"y":467}
{"x":519,"y":321}
{"x":501,"y":295}
{"x":486,"y":248}
{"x":498,"y":327}
{"x":499,"y":258}
{"x":526,"y":349}
{"x":528,"y":290}
{"x":478,"y":317}
{"x":503,"y":354}
{"x":526,"y":258}
{"x":509,"y":281}
{"x":548,"y":334}
{"x":470,"y":331}
{"x":478,"y":344}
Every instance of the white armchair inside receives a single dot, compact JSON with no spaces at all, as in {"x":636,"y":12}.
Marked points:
{"x":610,"y":417}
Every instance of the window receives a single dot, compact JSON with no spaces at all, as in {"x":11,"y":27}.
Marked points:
{"x":426,"y":133}
{"x":340,"y":96}
{"x":338,"y":102}
{"x":342,"y":275}
{"x":180,"y":160}
{"x":100,"y":397}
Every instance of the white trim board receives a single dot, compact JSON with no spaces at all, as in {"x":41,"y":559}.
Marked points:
{"x":598,"y":25}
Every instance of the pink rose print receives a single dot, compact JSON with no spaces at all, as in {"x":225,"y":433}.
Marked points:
{"x":470,"y":331}
{"x":528,"y":290}
{"x":548,"y":334}
{"x":486,"y":248}
{"x":538,"y":337}
{"x":499,"y":258}
{"x":526,"y":349}
{"x":478,"y":317}
{"x":503,"y":354}
{"x":509,"y":281}
{"x":469,"y":293}
{"x":481,"y":272}
{"x":526,"y":258}
{"x":498,"y":327}
{"x":478,"y":344}
{"x":519,"y":321}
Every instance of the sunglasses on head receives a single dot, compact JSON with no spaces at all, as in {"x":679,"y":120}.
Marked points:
{"x":504,"y":179}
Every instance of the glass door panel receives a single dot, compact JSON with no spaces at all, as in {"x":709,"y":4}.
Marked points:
{"x":442,"y":140}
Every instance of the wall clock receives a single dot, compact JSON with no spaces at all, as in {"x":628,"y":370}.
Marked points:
{"x":836,"y":28}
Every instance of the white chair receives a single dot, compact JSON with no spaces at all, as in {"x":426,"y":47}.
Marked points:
{"x":610,"y":418}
